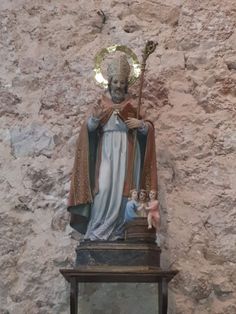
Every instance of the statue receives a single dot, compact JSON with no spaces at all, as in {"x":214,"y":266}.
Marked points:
{"x":115,"y":159}
{"x":132,"y":206}
{"x":142,"y":203}
{"x":138,"y":206}
{"x":153,"y":216}
{"x":115,"y":154}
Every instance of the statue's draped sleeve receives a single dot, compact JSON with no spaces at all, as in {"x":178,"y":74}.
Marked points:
{"x":80,"y":195}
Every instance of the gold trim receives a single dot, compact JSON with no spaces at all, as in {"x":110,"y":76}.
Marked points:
{"x":100,"y":56}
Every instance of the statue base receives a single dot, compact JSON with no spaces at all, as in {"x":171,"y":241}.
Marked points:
{"x":101,"y":253}
{"x":138,"y":248}
{"x":137,"y":231}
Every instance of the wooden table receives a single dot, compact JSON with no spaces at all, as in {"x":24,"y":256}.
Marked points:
{"x":119,"y":274}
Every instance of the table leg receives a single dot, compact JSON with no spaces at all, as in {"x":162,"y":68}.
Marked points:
{"x":73,"y":296}
{"x":163,"y":296}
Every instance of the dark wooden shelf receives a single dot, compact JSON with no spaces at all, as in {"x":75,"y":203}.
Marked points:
{"x":119,"y":274}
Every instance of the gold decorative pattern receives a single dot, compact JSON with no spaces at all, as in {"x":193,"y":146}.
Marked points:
{"x":100,"y":56}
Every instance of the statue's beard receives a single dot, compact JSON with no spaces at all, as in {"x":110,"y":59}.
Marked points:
{"x":117,"y":95}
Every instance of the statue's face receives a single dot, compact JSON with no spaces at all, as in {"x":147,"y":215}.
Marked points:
{"x":117,"y":88}
{"x":142,"y":196}
{"x":135,"y":195}
{"x":152,"y":195}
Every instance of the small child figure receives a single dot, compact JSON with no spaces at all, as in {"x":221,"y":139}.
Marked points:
{"x":142,"y":203}
{"x":153,"y":217}
{"x":131,"y":206}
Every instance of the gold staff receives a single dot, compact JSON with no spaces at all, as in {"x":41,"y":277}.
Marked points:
{"x":147,"y":51}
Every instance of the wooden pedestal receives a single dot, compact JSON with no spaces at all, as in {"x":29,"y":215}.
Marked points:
{"x":136,"y":259}
{"x":118,"y":274}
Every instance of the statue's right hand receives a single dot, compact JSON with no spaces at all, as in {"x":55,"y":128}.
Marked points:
{"x":97,"y":110}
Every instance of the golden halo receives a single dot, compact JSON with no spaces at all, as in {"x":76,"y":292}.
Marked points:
{"x":100,"y":57}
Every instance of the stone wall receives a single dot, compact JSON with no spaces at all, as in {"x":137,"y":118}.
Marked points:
{"x":46,"y":85}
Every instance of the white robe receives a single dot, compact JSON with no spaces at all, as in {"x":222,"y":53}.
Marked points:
{"x":107,"y":213}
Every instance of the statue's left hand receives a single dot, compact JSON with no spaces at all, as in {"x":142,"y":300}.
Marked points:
{"x":133,"y":123}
